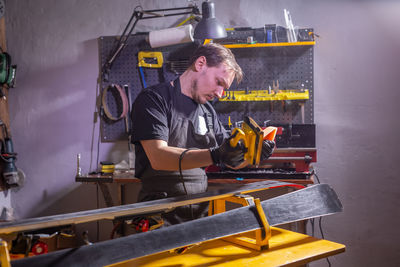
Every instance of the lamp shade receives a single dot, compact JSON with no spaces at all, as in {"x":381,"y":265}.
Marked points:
{"x":209,"y":27}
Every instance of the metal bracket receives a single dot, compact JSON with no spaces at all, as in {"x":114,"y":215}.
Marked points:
{"x":258,"y":239}
{"x":4,"y":254}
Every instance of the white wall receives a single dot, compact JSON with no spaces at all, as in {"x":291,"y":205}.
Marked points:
{"x":356,"y":92}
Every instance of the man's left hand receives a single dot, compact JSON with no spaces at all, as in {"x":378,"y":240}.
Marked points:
{"x":267,"y":149}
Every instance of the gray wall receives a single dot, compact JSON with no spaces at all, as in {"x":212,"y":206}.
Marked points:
{"x":356,"y":91}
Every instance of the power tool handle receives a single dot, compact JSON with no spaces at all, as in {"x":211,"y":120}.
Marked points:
{"x":237,"y":135}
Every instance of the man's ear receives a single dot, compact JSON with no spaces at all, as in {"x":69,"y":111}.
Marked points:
{"x":200,"y":63}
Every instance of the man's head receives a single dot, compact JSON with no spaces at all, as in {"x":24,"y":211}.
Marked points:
{"x":213,"y":68}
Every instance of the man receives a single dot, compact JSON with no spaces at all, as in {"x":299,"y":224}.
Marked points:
{"x":177,"y":132}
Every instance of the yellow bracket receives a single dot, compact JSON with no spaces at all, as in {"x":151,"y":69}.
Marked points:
{"x":142,"y":55}
{"x":252,"y":137}
{"x":258,"y":239}
{"x":4,"y":255}
{"x":263,"y":237}
{"x":262,"y":95}
{"x":255,"y":137}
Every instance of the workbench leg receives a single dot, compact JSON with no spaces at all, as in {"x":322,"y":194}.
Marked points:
{"x":110,"y":203}
{"x":106,"y":194}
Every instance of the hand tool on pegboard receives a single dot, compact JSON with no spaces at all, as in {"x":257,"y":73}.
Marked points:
{"x":127,"y":117}
{"x":177,"y":66}
{"x":276,"y":89}
{"x":275,"y":86}
{"x":144,"y":59}
{"x":271,"y":104}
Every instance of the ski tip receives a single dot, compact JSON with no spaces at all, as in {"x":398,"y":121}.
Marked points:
{"x":331,"y":195}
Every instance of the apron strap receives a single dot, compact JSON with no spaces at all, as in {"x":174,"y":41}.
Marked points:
{"x":207,"y":114}
{"x":209,"y":119}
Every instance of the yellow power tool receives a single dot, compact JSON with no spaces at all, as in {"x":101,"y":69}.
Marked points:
{"x":252,"y":136}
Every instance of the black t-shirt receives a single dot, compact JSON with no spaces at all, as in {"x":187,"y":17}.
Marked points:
{"x":154,"y":117}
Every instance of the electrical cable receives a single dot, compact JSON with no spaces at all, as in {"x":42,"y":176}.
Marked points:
{"x":9,"y":160}
{"x":114,"y":229}
{"x":98,"y":206}
{"x":316,"y":176}
{"x":323,"y":237}
{"x":180,"y":168}
{"x":96,"y":113}
{"x":320,"y":228}
{"x":312,"y":227}
{"x":319,"y":222}
{"x":97,"y":116}
{"x":98,"y":149}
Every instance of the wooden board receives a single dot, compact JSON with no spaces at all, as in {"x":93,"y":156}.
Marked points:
{"x":286,"y":248}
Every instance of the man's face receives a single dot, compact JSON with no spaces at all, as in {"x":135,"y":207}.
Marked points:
{"x":211,"y":82}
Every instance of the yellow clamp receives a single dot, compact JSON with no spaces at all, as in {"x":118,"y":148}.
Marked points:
{"x":153,"y":55}
{"x":252,"y":140}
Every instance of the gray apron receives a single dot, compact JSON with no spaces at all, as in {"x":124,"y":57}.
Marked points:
{"x":163,"y":184}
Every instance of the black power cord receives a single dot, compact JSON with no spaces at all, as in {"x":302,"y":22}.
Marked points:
{"x":323,"y":237}
{"x":180,"y":168}
{"x":316,"y":176}
{"x":319,"y":223}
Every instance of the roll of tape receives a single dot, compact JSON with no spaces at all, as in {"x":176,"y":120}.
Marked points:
{"x":171,"y":36}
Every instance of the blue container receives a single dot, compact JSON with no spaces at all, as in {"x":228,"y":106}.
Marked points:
{"x":269,"y":36}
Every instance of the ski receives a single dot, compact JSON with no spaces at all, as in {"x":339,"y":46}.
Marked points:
{"x":149,"y":207}
{"x":310,"y":202}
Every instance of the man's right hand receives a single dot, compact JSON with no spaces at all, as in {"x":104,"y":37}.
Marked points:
{"x":227,"y":155}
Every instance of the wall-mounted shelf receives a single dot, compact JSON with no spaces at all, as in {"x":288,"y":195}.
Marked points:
{"x":268,"y":44}
{"x":263,"y":63}
{"x":263,"y":95}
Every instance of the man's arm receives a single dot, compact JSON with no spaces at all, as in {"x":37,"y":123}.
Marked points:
{"x":164,"y":157}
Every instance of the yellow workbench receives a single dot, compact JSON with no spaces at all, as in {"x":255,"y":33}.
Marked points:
{"x":286,"y":248}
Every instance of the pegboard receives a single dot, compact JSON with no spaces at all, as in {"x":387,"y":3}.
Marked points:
{"x":125,"y":71}
{"x":291,"y":65}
